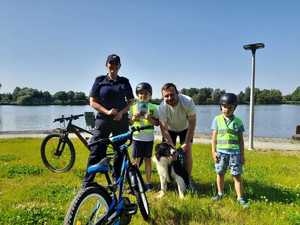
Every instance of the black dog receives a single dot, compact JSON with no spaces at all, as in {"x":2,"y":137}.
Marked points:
{"x":170,"y":164}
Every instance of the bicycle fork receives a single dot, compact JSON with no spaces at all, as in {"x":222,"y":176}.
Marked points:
{"x":61,"y":146}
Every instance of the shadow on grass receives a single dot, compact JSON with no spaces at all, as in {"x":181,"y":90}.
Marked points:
{"x":263,"y":192}
{"x":199,"y":189}
{"x":256,"y":191}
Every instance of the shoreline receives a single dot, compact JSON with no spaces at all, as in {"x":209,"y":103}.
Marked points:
{"x":260,"y":143}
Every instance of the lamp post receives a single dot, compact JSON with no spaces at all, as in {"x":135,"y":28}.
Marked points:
{"x":253,"y":48}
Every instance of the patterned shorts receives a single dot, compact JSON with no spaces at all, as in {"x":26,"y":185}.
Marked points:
{"x":232,"y":161}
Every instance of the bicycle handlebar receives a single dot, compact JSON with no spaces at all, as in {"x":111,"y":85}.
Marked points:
{"x":121,"y":137}
{"x":72,"y":117}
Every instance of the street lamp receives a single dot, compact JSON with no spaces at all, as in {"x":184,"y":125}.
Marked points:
{"x":253,"y":48}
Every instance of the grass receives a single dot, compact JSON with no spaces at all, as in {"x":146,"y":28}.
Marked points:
{"x":30,"y":194}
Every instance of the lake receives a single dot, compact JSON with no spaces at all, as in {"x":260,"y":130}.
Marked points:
{"x":270,"y":120}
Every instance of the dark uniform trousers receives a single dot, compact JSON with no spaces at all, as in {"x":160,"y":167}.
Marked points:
{"x":103,"y":129}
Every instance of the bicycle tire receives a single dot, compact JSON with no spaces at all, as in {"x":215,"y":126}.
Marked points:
{"x":62,"y":162}
{"x":139,"y":192}
{"x":78,"y":214}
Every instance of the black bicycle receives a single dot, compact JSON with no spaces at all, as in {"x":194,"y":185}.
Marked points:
{"x":57,"y":150}
{"x":97,"y":204}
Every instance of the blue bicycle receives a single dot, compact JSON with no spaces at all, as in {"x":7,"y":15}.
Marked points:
{"x":97,"y":204}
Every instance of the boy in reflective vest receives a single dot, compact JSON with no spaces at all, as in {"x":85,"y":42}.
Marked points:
{"x":143,"y":113}
{"x":228,"y":147}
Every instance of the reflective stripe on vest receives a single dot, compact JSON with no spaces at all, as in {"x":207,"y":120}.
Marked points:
{"x":225,"y":142}
{"x":227,"y":131}
{"x":143,"y":122}
{"x":227,"y":137}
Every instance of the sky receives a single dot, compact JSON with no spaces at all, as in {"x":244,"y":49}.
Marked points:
{"x":62,"y":45}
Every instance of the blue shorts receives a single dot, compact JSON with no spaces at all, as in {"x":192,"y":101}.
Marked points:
{"x":142,"y":149}
{"x":232,"y":161}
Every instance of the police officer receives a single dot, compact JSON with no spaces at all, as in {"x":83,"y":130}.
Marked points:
{"x":111,"y":96}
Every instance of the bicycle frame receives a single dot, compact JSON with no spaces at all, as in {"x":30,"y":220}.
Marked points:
{"x":117,"y":204}
{"x":76,"y":130}
{"x":117,"y":207}
{"x":71,"y":128}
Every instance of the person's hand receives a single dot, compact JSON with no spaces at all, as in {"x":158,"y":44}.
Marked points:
{"x":112,"y":112}
{"x":186,"y":147}
{"x":119,"y":116}
{"x":214,"y":156}
{"x":148,"y":116}
{"x":136,"y":117}
{"x":152,"y":119}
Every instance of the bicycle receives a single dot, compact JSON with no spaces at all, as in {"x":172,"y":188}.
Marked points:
{"x":97,"y":204}
{"x":57,"y":150}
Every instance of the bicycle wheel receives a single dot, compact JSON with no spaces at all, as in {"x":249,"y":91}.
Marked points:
{"x":139,"y":192}
{"x":88,"y":207}
{"x":57,"y":153}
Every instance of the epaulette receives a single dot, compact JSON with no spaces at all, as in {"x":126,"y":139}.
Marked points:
{"x":100,"y":78}
{"x":124,"y":79}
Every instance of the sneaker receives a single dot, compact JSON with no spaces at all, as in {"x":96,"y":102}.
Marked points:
{"x":217,"y":197}
{"x":243,"y":202}
{"x":148,"y":187}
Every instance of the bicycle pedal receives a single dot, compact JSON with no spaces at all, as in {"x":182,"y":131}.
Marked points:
{"x":130,"y":209}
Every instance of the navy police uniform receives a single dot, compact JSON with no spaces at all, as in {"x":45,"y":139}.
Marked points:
{"x":110,"y":94}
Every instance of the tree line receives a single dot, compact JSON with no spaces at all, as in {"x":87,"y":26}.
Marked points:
{"x":265,"y":96}
{"x":201,"y":96}
{"x":29,"y":96}
{"x":210,"y":96}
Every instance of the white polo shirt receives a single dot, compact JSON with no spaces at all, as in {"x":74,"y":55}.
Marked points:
{"x":177,"y":117}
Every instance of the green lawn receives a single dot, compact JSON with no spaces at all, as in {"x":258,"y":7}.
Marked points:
{"x":30,"y":194}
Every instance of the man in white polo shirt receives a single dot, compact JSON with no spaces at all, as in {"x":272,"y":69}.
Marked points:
{"x":177,"y":115}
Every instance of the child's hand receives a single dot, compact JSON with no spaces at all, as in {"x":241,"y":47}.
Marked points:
{"x":152,"y":119}
{"x":148,"y":116}
{"x":214,"y":156}
{"x":136,"y":117}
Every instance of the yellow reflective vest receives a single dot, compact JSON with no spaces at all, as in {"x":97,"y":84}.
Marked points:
{"x":148,"y":108}
{"x":228,"y":133}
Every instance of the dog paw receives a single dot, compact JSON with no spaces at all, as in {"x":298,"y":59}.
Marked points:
{"x":160,"y":194}
{"x":181,"y":196}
